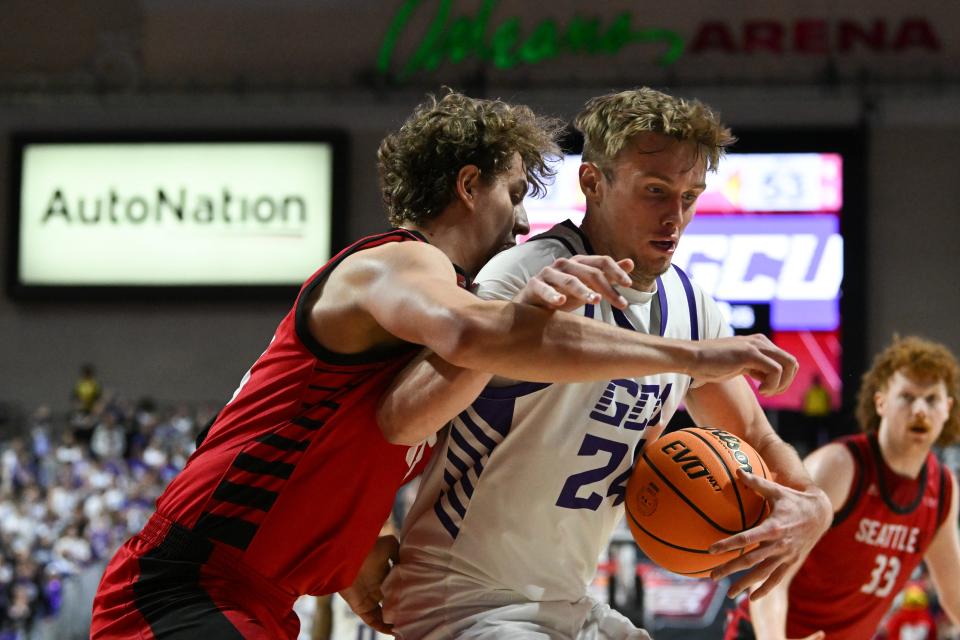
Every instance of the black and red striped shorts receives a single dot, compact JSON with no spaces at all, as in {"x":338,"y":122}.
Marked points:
{"x":168,"y":582}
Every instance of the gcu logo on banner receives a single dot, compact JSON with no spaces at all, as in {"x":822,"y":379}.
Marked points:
{"x":794,"y":262}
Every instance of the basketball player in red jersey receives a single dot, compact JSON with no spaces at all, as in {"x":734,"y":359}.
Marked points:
{"x":894,"y":505}
{"x":288,"y":490}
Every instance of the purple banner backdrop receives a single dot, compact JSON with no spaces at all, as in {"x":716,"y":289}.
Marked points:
{"x":794,"y":262}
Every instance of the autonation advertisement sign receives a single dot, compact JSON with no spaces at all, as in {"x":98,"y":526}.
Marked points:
{"x":177,"y":213}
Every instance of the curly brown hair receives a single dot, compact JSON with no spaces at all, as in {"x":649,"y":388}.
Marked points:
{"x":608,"y":123}
{"x":419,"y":163}
{"x":921,"y":360}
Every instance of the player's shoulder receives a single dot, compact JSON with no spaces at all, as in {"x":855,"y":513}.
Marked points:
{"x":675,"y":276}
{"x":713,"y":322}
{"x":529,"y":257}
{"x":950,"y":475}
{"x":949,"y":478}
{"x":954,"y":493}
{"x":397,"y":255}
{"x":832,"y":468}
{"x":833,"y":453}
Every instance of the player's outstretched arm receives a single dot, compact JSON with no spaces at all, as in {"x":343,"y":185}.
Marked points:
{"x":430,"y":391}
{"x":831,"y":468}
{"x":407,"y":291}
{"x":768,"y":614}
{"x":943,"y":560}
{"x":411,"y":297}
{"x":800,"y":511}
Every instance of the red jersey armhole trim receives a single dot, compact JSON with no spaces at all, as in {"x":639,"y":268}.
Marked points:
{"x":945,"y":495}
{"x":853,"y":497}
{"x":300,"y":320}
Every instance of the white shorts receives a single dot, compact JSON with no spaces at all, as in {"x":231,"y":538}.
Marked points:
{"x":495,"y":615}
{"x":549,"y":621}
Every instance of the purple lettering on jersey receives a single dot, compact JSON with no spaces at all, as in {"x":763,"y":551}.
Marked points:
{"x":650,"y":403}
{"x":637,"y":407}
{"x":602,"y":410}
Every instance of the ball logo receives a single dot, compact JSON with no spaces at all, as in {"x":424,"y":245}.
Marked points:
{"x":732,"y":443}
{"x":647,"y":499}
{"x":692,"y":465}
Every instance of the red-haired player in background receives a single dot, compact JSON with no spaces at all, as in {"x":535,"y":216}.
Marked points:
{"x":895,"y":505}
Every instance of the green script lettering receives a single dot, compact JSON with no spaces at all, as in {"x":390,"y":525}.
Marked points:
{"x":507,"y":46}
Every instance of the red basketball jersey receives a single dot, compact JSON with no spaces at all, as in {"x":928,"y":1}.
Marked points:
{"x":294,"y":477}
{"x":877,"y":539}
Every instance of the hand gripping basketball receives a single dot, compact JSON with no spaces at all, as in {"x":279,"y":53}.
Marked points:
{"x":797,"y":520}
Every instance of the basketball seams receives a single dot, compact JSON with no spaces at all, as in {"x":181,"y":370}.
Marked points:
{"x":730,"y":474}
{"x":661,"y":540}
{"x":684,"y":497}
{"x":695,"y":573}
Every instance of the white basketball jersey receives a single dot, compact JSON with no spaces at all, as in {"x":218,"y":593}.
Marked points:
{"x":526,"y":488}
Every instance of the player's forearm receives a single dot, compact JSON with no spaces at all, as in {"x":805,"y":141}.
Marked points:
{"x":430,"y":391}
{"x":769,"y":613}
{"x":781,"y":458}
{"x":950,"y":602}
{"x":518,"y":342}
{"x":789,"y":471}
{"x":943,"y":562}
{"x":426,"y":395}
{"x":528,"y":343}
{"x":783,"y":461}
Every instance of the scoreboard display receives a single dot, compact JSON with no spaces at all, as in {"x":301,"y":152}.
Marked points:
{"x":766,"y":243}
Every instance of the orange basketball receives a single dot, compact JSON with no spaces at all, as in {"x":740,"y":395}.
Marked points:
{"x":684,"y":495}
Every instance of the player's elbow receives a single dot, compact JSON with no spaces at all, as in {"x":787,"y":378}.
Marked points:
{"x":397,"y":424}
{"x":466,"y":339}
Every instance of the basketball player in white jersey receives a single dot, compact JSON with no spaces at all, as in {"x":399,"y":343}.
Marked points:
{"x":523,"y":493}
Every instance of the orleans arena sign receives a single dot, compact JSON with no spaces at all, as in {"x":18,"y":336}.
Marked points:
{"x":424,"y":36}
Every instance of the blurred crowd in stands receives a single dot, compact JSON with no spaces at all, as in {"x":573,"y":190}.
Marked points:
{"x":74,"y":487}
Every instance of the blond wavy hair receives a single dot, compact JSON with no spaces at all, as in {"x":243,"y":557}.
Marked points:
{"x":610,"y":121}
{"x":418,"y":164}
{"x":921,"y":360}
